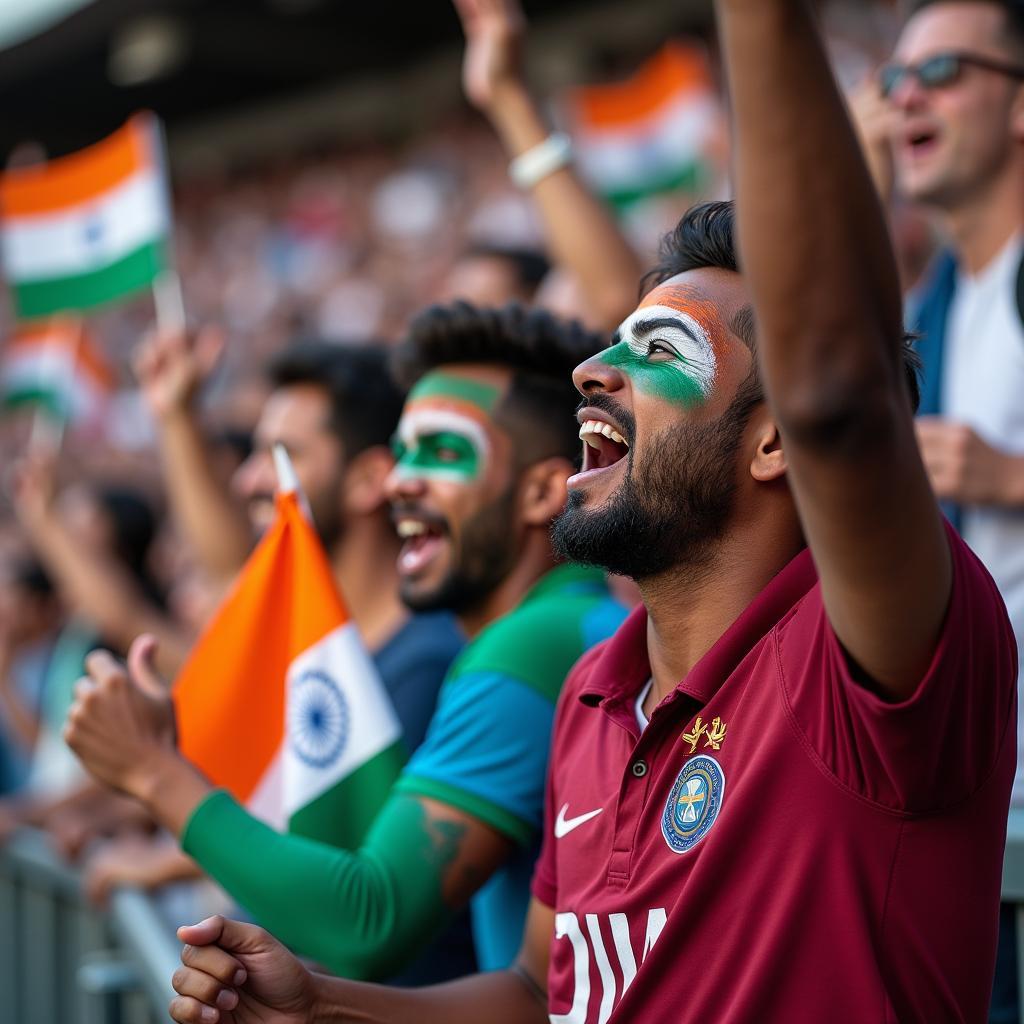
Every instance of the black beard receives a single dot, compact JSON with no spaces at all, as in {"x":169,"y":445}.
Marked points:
{"x":672,"y":506}
{"x":484,"y":557}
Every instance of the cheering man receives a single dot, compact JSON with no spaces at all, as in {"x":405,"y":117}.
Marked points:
{"x":779,"y":792}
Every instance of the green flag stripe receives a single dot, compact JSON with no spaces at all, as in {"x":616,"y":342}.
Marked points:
{"x":52,"y":400}
{"x":341,"y":815}
{"x":129,"y":274}
{"x":692,"y":178}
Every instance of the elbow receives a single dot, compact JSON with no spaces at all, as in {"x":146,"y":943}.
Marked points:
{"x":847,"y":415}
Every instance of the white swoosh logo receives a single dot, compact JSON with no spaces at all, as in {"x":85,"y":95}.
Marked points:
{"x":563,"y":825}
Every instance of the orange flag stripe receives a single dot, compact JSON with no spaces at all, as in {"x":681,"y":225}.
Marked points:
{"x":673,"y":69}
{"x":66,"y":332}
{"x":231,"y":694}
{"x":81,"y":176}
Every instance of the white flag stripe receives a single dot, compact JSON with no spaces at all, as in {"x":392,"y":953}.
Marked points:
{"x":672,"y":135}
{"x":87,"y":236}
{"x":266,"y":800}
{"x":367,"y":726}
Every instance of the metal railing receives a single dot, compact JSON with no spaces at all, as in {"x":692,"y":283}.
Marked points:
{"x":62,"y":962}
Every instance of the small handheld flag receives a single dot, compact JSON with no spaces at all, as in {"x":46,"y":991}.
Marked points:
{"x":89,"y":228}
{"x":55,"y":365}
{"x":650,"y":133}
{"x":280,"y":703}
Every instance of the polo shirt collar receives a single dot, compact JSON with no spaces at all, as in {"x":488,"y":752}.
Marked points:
{"x":623,"y":666}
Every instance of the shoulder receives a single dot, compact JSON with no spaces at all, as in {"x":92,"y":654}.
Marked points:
{"x":538,"y":643}
{"x":425,"y":639}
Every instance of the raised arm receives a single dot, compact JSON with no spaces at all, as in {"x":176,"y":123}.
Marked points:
{"x":581,"y":232}
{"x":91,"y":581}
{"x":171,"y":368}
{"x":240,"y":968}
{"x":820,"y":267}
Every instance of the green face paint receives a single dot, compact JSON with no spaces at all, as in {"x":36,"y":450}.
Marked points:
{"x":437,"y":441}
{"x":449,"y":387}
{"x":666,"y":353}
{"x":445,"y":454}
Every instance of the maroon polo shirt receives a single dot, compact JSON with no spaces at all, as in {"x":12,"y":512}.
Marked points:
{"x":779,"y":844}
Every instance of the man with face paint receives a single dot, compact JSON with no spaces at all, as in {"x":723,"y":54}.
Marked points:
{"x":483,"y":448}
{"x":779,"y":792}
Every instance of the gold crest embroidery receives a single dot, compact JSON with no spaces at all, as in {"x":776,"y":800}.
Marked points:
{"x":713,"y":734}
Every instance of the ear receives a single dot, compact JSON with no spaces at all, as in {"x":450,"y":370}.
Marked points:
{"x":542,"y":491}
{"x":363,"y":486}
{"x":1017,"y":116}
{"x":769,"y":461}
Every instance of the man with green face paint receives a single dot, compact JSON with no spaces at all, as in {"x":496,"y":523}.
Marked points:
{"x":485,"y":444}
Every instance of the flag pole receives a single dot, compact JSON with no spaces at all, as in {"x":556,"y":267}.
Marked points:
{"x":288,"y":481}
{"x":167,"y":293}
{"x":169,"y":302}
{"x":47,"y":432}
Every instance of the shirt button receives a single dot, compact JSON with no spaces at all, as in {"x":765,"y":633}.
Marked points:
{"x":639,"y":769}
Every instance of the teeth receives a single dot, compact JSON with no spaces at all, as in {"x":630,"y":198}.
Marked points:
{"x":591,"y":427}
{"x":410,"y":528}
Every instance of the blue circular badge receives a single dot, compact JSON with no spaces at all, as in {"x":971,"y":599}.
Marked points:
{"x":693,"y":804}
{"x":318,"y":719}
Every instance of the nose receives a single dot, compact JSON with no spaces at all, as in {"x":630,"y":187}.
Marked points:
{"x":403,"y":485}
{"x":255,"y":476}
{"x":909,"y":94}
{"x":594,"y":374}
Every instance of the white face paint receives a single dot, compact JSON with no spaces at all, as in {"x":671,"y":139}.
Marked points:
{"x":441,"y":444}
{"x":665,"y":339}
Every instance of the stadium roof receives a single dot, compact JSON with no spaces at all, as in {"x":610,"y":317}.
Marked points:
{"x":74,"y":80}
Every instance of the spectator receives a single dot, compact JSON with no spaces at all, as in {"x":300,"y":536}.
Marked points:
{"x":485,"y":445}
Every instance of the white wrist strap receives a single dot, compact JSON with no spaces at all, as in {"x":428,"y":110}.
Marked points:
{"x":533,"y":166}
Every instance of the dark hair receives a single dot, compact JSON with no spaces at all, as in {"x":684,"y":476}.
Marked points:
{"x":541,"y":350}
{"x":28,"y":573}
{"x":365,"y":401}
{"x":531,"y":266}
{"x":133,"y":524}
{"x":705,"y":237}
{"x":1012,"y":10}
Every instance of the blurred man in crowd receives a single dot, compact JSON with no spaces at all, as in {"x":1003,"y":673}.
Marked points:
{"x":948,"y":133}
{"x":482,"y":453}
{"x":760,"y":783}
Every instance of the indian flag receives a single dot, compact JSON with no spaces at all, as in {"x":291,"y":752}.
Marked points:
{"x":650,"y":133}
{"x":88,"y":228}
{"x":280,"y":703}
{"x":56,"y":365}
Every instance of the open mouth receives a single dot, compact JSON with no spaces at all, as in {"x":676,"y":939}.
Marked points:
{"x":421,"y":538}
{"x":603,"y":445}
{"x":921,"y":141}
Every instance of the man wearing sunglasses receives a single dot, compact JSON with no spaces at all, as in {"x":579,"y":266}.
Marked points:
{"x":954,"y":139}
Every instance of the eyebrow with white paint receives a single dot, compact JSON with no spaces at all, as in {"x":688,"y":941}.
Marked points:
{"x":648,"y":326}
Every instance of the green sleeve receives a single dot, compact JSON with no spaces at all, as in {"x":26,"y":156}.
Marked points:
{"x":363,"y":914}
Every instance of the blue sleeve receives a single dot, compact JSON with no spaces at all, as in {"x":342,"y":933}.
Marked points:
{"x":486,"y":753}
